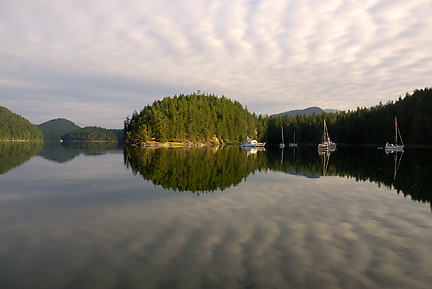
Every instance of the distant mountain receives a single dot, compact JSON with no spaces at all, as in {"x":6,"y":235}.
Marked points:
{"x":56,"y":128}
{"x":331,"y":110}
{"x":306,"y":111}
{"x":15,"y":127}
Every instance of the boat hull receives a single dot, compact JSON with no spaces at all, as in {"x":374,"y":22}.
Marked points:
{"x":328,"y":146}
{"x":394,"y":148}
{"x":252,"y":144}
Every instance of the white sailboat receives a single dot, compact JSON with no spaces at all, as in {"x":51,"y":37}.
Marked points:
{"x":282,"y":144}
{"x":326,"y":144}
{"x":389,"y":147}
{"x":293,"y":144}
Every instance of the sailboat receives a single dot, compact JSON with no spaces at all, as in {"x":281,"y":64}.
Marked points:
{"x":293,"y":144}
{"x":389,"y":147}
{"x":326,"y":143}
{"x":282,"y":144}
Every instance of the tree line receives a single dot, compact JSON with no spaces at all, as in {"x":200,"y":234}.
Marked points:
{"x":196,"y":117}
{"x":91,"y":134}
{"x":207,"y":118}
{"x":375,"y":125}
{"x":15,"y":127}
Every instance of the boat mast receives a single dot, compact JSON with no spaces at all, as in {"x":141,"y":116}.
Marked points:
{"x":326,"y":137}
{"x":324,"y":133}
{"x":282,"y":135}
{"x":398,"y":131}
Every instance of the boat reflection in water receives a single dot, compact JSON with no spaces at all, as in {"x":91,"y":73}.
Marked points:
{"x":253,"y":151}
{"x":325,"y":158}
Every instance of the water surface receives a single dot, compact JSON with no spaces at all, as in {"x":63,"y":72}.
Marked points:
{"x":104,"y":217}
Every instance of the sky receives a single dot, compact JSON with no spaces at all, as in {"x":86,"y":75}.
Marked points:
{"x":96,"y":61}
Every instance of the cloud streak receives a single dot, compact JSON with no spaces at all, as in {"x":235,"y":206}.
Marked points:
{"x":270,"y":55}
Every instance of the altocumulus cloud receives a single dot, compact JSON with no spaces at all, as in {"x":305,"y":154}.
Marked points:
{"x":94,"y":62}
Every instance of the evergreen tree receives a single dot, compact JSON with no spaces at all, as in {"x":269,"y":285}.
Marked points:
{"x":195,"y":118}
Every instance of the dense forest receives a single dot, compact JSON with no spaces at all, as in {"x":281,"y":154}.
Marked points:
{"x":192,"y":118}
{"x":204,"y":118}
{"x":373,"y":125}
{"x":93,"y":134}
{"x":54,"y":129}
{"x":15,"y":127}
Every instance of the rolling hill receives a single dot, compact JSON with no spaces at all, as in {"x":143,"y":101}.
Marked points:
{"x":16,"y":127}
{"x":54,"y":129}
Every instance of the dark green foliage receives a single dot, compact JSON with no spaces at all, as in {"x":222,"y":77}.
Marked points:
{"x":196,"y":170}
{"x":54,"y":129}
{"x":15,"y":127}
{"x":362,"y":126}
{"x":13,"y":154}
{"x":192,"y":118}
{"x":94,"y":134}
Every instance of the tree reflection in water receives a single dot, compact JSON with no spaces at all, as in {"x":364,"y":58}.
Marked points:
{"x":198,"y":170}
{"x":204,"y":170}
{"x":14,"y":154}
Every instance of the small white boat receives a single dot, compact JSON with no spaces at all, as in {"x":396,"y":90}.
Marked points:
{"x":252,"y":144}
{"x":326,"y":144}
{"x":389,"y":147}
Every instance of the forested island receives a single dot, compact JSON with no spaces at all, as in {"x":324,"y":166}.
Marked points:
{"x":207,"y":118}
{"x":191,"y":118}
{"x":17,"y":128}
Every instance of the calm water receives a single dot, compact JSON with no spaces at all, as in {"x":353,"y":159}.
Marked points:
{"x":89,"y":216}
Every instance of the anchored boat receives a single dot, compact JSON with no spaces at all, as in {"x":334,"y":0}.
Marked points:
{"x":326,"y":144}
{"x":390,"y":147}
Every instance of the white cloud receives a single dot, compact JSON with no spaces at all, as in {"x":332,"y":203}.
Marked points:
{"x":270,"y":55}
